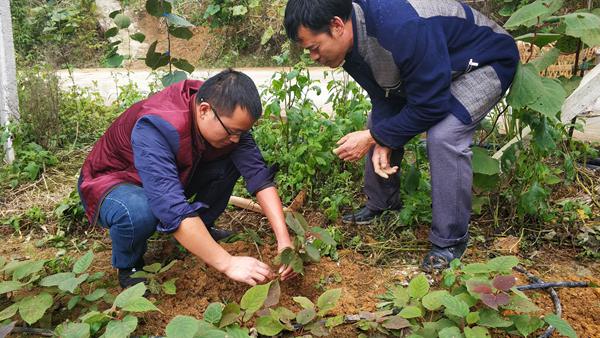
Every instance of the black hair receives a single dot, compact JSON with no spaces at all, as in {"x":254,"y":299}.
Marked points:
{"x":229,"y":89}
{"x":314,"y":14}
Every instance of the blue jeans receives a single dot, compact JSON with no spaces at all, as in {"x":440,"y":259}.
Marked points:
{"x":126,"y":213}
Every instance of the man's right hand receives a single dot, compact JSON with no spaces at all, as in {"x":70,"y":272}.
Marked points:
{"x":248,"y":270}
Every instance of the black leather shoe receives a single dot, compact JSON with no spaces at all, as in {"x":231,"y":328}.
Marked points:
{"x":219,"y":234}
{"x":125,"y":279}
{"x":439,"y":258}
{"x":361,"y":217}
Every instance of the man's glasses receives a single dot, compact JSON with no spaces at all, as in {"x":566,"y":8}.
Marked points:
{"x":229,"y":131}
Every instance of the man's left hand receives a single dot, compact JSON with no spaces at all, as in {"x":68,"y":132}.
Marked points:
{"x":381,"y":161}
{"x":285,"y":271}
{"x":354,"y":146}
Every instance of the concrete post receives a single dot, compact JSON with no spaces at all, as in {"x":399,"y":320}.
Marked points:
{"x":9,"y":100}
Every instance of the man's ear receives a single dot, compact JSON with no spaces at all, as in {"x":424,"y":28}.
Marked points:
{"x":202,"y":110}
{"x":336,"y":26}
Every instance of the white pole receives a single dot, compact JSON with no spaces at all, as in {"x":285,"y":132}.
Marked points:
{"x":9,"y":100}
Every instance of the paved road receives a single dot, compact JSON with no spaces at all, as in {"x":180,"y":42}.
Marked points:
{"x":106,"y":82}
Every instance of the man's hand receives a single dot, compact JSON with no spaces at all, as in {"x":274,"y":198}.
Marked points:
{"x":248,"y":270}
{"x":381,"y":161}
{"x":354,"y":146}
{"x":285,"y":271}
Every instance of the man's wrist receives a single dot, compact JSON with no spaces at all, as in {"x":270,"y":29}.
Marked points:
{"x":222,"y":263}
{"x":370,"y":137}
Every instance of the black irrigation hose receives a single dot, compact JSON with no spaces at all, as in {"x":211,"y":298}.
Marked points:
{"x":553,"y":285}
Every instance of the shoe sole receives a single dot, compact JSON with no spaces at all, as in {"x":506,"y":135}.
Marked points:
{"x":357,"y":222}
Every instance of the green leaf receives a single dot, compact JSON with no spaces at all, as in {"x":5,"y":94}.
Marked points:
{"x":484,"y":163}
{"x":547,"y":59}
{"x":292,"y":221}
{"x":411,"y":181}
{"x":312,"y":252}
{"x":57,"y":278}
{"x":396,"y":322}
{"x":503,"y":264}
{"x":237,"y":332}
{"x":472,"y":317}
{"x":528,"y":15}
{"x":95,"y":317}
{"x":524,"y":89}
{"x":552,"y":96}
{"x":476,"y":268}
{"x":183,"y":65}
{"x":158,"y":8}
{"x":72,"y":283}
{"x":491,"y":318}
{"x":9,"y":286}
{"x":115,"y":61}
{"x":274,"y":294}
{"x":153,"y":268}
{"x":111,"y":32}
{"x":539,"y":39}
{"x":450,"y":332}
{"x":95,"y":276}
{"x":433,"y":300}
{"x":323,"y":235}
{"x":9,"y":311}
{"x":328,"y":300}
{"x":139,"y":37}
{"x":230,"y":314}
{"x":411,"y":312}
{"x":171,"y":78}
{"x":32,"y":308}
{"x":122,"y":21}
{"x":74,"y":330}
{"x":155,"y":60}
{"x":526,"y":325}
{"x":168,"y":266}
{"x":254,"y":299}
{"x":182,"y":327}
{"x":130,"y":293}
{"x":211,"y":333}
{"x":22,"y":269}
{"x":177,"y":21}
{"x":585,"y":26}
{"x":239,"y":10}
{"x":121,"y":328}
{"x":139,"y":304}
{"x":521,"y":304}
{"x":213,"y":313}
{"x":169,"y":287}
{"x":73,"y":302}
{"x":94,"y":296}
{"x":455,"y":306}
{"x":334,"y":321}
{"x":297,"y":264}
{"x":304,"y":302}
{"x":181,"y":32}
{"x":561,"y":325}
{"x":305,"y":316}
{"x":267,"y":35}
{"x":268,"y":326}
{"x":83,"y":263}
{"x":477,"y":332}
{"x":418,"y":286}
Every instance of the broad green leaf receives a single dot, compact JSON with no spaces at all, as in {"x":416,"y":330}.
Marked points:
{"x":334,"y":321}
{"x":115,"y":61}
{"x":254,"y":299}
{"x":22,"y":269}
{"x":83,"y":263}
{"x":313,"y":253}
{"x":95,"y":317}
{"x":525,"y":87}
{"x":9,"y":311}
{"x":305,"y":316}
{"x":477,"y":332}
{"x":211,"y":333}
{"x":547,"y":59}
{"x":168,"y":266}
{"x":155,"y":60}
{"x":396,"y":322}
{"x":213,"y":313}
{"x":274,"y":295}
{"x":292,"y":222}
{"x":182,"y":327}
{"x":71,"y":284}
{"x":153,"y":268}
{"x":111,"y":32}
{"x":239,"y":10}
{"x":267,"y":326}
{"x":230,"y":314}
{"x":528,"y":15}
{"x":483,"y":163}
{"x":57,"y":278}
{"x":455,"y":306}
{"x":169,"y":287}
{"x":73,"y":302}
{"x":9,"y":286}
{"x":472,"y":317}
{"x":74,"y":330}
{"x":139,"y":304}
{"x":94,"y":296}
{"x":503,"y":264}
{"x":183,"y":65}
{"x":401,"y":296}
{"x":267,"y":35}
{"x":410,"y":312}
{"x":526,"y":325}
{"x":552,"y":95}
{"x":491,"y":318}
{"x":585,"y":26}
{"x":122,"y":21}
{"x":418,"y":287}
{"x":158,"y":8}
{"x":95,"y":276}
{"x":323,"y":235}
{"x":32,"y":308}
{"x":450,"y":332}
{"x":237,"y":332}
{"x":130,"y":293}
{"x":433,"y":300}
{"x":539,"y":39}
{"x":476,"y":268}
{"x":521,"y":304}
{"x":181,"y":32}
{"x":121,"y":328}
{"x":561,"y":325}
{"x":177,"y":21}
{"x":139,"y":37}
{"x":411,"y":181}
{"x":304,"y":302}
{"x":174,"y":77}
{"x":297,"y":264}
{"x":328,"y":300}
